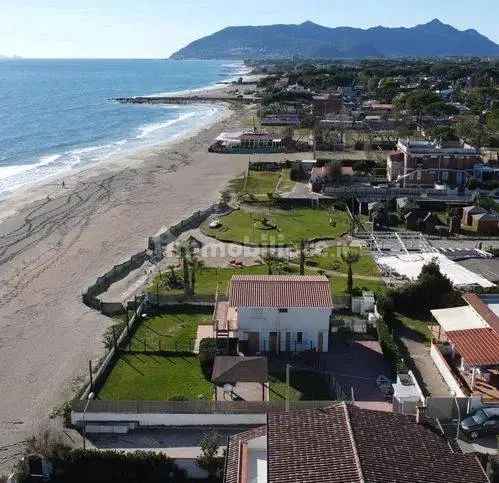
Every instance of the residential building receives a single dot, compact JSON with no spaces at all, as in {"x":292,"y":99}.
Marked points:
{"x":346,"y":444}
{"x":478,"y":220}
{"x":327,"y":104}
{"x":430,"y":162}
{"x":468,"y":342}
{"x":284,"y":119}
{"x":247,"y":142}
{"x":277,"y":313}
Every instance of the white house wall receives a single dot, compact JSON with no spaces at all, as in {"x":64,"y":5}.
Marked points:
{"x":309,"y":321}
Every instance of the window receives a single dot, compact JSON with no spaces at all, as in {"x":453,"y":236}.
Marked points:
{"x":283,"y":311}
{"x":299,"y":337}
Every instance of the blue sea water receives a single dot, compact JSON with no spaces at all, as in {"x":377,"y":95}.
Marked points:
{"x":58,"y":115}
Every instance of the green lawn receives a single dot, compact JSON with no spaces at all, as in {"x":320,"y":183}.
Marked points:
{"x":331,"y":260}
{"x":175,"y":330}
{"x":260,"y":182}
{"x":283,"y":227}
{"x":304,"y":386}
{"x":419,"y":327}
{"x":339,"y":285}
{"x":139,"y":377}
{"x":207,"y":280}
{"x":209,"y":277}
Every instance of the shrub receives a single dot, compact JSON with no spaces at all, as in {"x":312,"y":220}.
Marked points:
{"x":389,"y":347}
{"x":80,"y":466}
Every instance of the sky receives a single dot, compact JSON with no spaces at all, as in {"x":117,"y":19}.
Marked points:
{"x":157,"y":28}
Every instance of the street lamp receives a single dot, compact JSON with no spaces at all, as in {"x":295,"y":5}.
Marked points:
{"x":89,"y":398}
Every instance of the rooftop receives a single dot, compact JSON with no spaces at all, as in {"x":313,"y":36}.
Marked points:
{"x":280,"y":291}
{"x":486,"y":306}
{"x":459,"y":318}
{"x":232,"y":369}
{"x":478,"y":347}
{"x":347,"y":444}
{"x":410,"y":265}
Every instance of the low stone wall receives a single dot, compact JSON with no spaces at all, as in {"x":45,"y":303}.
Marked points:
{"x":153,"y":252}
{"x":102,"y":284}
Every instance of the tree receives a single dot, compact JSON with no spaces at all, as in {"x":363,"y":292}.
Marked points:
{"x":472,"y":131}
{"x":302,"y":257}
{"x":209,"y":460}
{"x":185,"y":268}
{"x":350,"y":257}
{"x":195,"y":264}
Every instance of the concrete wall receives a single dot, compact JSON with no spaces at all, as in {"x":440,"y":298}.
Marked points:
{"x":445,"y":371}
{"x":170,"y":419}
{"x":308,"y":321}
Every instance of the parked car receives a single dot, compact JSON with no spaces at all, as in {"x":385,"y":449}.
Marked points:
{"x":483,"y":421}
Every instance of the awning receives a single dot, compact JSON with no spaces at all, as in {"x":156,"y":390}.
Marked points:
{"x":458,"y":318}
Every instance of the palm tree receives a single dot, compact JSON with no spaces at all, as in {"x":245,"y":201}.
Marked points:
{"x":195,"y":264}
{"x":350,"y":257}
{"x":268,"y":259}
{"x":302,"y":257}
{"x":182,"y":250}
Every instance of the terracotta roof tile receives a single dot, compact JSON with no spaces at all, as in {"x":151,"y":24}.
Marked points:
{"x":476,"y":346}
{"x":280,"y":291}
{"x":393,"y":448}
{"x":482,"y":310}
{"x":311,"y":446}
{"x":231,"y":474}
{"x":347,"y":444}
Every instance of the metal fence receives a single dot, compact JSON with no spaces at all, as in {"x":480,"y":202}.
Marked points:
{"x":193,"y":407}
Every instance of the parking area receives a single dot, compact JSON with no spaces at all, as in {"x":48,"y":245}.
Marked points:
{"x":356,"y":365}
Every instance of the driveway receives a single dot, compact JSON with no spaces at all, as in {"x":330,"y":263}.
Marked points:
{"x":356,"y":365}
{"x":422,"y":365}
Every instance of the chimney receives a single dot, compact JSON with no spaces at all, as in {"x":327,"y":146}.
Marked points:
{"x":420,"y":414}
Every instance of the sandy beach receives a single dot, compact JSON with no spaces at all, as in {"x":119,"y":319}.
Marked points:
{"x":51,"y":249}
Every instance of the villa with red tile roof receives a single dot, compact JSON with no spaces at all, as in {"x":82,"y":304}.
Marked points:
{"x":467,"y":346}
{"x":276,"y":313}
{"x":347,"y":444}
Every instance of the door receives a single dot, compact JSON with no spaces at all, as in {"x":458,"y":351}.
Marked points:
{"x":274,"y":342}
{"x":253,"y":342}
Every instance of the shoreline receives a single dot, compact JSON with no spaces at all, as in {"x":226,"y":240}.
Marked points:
{"x":22,"y":193}
{"x":51,"y":250}
{"x":37,"y":191}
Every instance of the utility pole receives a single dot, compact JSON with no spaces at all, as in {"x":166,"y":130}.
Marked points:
{"x":288,"y":370}
{"x":84,"y":434}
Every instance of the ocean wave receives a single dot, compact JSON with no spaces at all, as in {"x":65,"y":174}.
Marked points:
{"x":15,"y":170}
{"x":151,"y":128}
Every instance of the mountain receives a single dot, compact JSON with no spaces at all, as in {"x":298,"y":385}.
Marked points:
{"x":433,"y":39}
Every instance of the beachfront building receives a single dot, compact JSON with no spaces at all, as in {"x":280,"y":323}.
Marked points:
{"x":277,"y":313}
{"x":346,"y":444}
{"x":466,"y":347}
{"x":429,"y":162}
{"x":247,"y":142}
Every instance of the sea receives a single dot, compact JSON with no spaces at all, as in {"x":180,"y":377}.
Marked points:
{"x":57,"y":116}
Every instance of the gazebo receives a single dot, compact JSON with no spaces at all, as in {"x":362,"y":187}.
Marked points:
{"x":244,"y":376}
